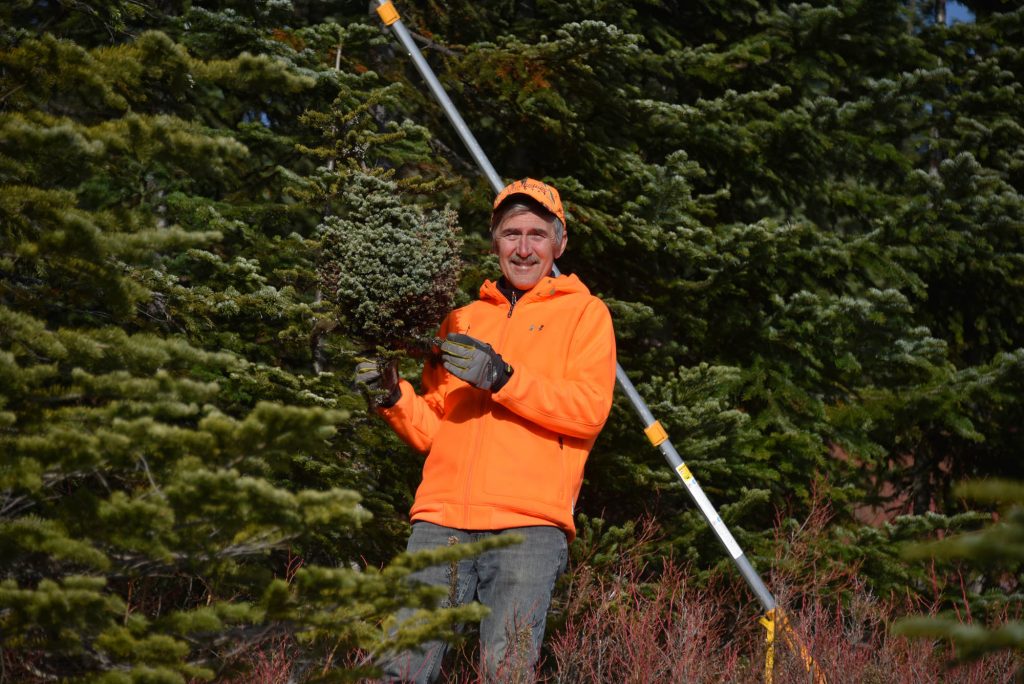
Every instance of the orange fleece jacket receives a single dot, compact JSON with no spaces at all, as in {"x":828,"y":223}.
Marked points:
{"x":514,"y":457}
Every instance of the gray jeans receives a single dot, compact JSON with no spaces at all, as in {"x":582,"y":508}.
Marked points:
{"x":515,"y":582}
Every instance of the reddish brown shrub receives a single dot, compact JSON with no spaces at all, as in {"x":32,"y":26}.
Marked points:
{"x":624,"y":629}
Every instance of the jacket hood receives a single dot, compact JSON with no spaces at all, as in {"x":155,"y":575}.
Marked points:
{"x":548,"y":286}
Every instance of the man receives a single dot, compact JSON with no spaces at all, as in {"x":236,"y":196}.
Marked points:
{"x":507,"y":418}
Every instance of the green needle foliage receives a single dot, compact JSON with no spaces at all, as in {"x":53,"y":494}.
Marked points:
{"x":178,"y":487}
{"x":996,"y":550}
{"x":807,"y":220}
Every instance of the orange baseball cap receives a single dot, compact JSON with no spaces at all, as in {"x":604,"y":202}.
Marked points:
{"x":542,"y":192}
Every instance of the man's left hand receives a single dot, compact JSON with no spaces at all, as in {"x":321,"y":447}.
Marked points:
{"x":475,"y":362}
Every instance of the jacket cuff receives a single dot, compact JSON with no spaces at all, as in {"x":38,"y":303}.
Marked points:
{"x":384,"y":403}
{"x":504,"y":374}
{"x":387,"y":401}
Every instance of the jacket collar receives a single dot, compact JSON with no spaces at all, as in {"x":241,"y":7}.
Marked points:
{"x":548,"y":286}
{"x":508,"y":290}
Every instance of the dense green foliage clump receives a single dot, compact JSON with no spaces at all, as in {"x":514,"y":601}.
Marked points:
{"x":807,"y":220}
{"x":392,"y":270}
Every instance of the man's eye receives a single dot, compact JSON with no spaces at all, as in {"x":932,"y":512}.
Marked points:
{"x":532,"y":237}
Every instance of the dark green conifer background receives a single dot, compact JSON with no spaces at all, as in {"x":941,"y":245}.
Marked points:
{"x":806,"y":218}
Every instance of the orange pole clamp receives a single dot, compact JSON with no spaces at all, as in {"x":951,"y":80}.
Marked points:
{"x":388,"y":13}
{"x":656,"y":433}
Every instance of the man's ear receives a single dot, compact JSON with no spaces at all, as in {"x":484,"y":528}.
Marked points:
{"x":561,"y":247}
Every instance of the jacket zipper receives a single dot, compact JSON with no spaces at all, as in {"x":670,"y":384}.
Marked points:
{"x":472,"y":460}
{"x":483,"y":424}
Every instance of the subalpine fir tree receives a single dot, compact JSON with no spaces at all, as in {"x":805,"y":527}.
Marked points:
{"x":177,"y":485}
{"x":748,"y":189}
{"x":588,"y":104}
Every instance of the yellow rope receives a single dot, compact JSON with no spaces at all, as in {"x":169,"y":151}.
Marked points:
{"x":792,"y":640}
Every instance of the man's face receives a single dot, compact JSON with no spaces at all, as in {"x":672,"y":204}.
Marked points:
{"x":526,"y":248}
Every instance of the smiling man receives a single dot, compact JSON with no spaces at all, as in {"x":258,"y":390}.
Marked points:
{"x":509,"y":412}
{"x":527,"y":237}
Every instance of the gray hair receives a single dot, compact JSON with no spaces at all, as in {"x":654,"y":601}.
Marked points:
{"x":523,"y":206}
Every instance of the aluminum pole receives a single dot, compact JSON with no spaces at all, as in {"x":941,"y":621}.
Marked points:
{"x":652,"y":428}
{"x":390,"y":16}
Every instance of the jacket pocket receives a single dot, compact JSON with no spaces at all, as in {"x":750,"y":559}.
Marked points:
{"x":525,"y":465}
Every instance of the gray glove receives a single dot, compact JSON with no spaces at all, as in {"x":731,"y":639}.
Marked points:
{"x":475,"y":362}
{"x":380,"y":382}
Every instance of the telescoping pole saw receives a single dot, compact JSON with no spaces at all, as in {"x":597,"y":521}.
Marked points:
{"x":653,"y":428}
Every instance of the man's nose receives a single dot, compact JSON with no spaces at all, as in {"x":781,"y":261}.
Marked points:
{"x":523,"y":245}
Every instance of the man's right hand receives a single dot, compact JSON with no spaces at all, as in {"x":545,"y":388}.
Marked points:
{"x":381,"y":382}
